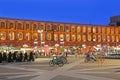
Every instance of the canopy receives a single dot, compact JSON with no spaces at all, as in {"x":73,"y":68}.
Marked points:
{"x":9,"y":48}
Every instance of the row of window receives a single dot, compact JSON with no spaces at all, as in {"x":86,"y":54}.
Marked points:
{"x":83,"y":29}
{"x":59,"y":37}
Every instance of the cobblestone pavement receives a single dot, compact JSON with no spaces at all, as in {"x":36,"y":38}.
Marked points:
{"x":76,"y":69}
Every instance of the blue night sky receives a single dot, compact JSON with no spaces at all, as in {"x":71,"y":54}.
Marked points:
{"x":72,"y":11}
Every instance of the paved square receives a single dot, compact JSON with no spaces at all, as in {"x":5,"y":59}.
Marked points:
{"x":76,"y":69}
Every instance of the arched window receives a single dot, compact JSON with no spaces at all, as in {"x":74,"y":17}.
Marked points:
{"x":78,"y":37}
{"x":3,"y":36}
{"x":20,"y":36}
{"x":56,"y":37}
{"x":20,"y":26}
{"x":61,"y":37}
{"x":34,"y":27}
{"x":78,"y":29}
{"x":2,"y":25}
{"x":27,"y":27}
{"x":49,"y":36}
{"x":67,"y":37}
{"x":11,"y":35}
{"x":27,"y":36}
{"x":35,"y":36}
{"x":66,"y":28}
{"x":73,"y":37}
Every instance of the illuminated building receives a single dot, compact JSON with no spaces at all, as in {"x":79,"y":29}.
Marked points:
{"x":20,"y":33}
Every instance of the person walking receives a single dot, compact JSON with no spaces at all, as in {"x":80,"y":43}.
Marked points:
{"x":4,"y":58}
{"x":21,"y":57}
{"x":14,"y":57}
{"x":0,"y":57}
{"x":31,"y":57}
{"x":9,"y":57}
{"x":25,"y":57}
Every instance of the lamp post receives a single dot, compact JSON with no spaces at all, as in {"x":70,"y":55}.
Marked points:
{"x":40,"y":32}
{"x":61,"y":43}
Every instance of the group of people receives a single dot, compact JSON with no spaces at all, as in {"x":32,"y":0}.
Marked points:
{"x":92,"y":55}
{"x":16,"y":57}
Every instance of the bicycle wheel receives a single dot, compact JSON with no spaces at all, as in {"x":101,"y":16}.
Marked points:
{"x":51,"y":63}
{"x":64,"y":60}
{"x":60,"y":64}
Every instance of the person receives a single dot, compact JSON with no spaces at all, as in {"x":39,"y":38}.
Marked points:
{"x":21,"y":57}
{"x":25,"y":57}
{"x":14,"y":57}
{"x":31,"y":57}
{"x":4,"y":58}
{"x":9,"y":57}
{"x":93,"y":57}
{"x":0,"y":57}
{"x":54,"y":57}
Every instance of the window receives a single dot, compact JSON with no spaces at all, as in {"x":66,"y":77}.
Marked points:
{"x":2,"y":25}
{"x":94,"y":29}
{"x":103,"y":30}
{"x":103,"y":38}
{"x":94,"y":37}
{"x":55,"y":37}
{"x":78,"y":29}
{"x":108,"y":30}
{"x":67,"y":37}
{"x":99,"y":38}
{"x":27,"y":26}
{"x":27,"y":36}
{"x":35,"y":36}
{"x":19,"y":26}
{"x":41,"y":27}
{"x":89,"y":37}
{"x":20,"y":36}
{"x":11,"y":35}
{"x":2,"y":35}
{"x":112,"y":30}
{"x":73,"y":38}
{"x":84,"y":38}
{"x":34,"y":27}
{"x":61,"y":28}
{"x":61,"y":37}
{"x":78,"y":37}
{"x":48,"y":27}
{"x":108,"y":38}
{"x":73,"y":29}
{"x":11,"y":26}
{"x":48,"y":36}
{"x":66,"y":28}
{"x":89,"y":30}
{"x":113,"y":38}
{"x":54,"y":28}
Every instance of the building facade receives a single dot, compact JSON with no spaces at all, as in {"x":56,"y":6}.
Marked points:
{"x":30,"y":33}
{"x":115,"y":20}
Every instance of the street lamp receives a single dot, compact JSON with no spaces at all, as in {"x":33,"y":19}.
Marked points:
{"x":40,"y":32}
{"x":61,"y":43}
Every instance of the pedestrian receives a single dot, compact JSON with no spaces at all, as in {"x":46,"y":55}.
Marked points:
{"x":25,"y":57}
{"x":31,"y":57}
{"x":0,"y":57}
{"x":9,"y":57}
{"x":14,"y":57}
{"x":21,"y":56}
{"x":4,"y":58}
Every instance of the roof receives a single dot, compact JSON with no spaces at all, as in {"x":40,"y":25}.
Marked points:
{"x":50,"y":21}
